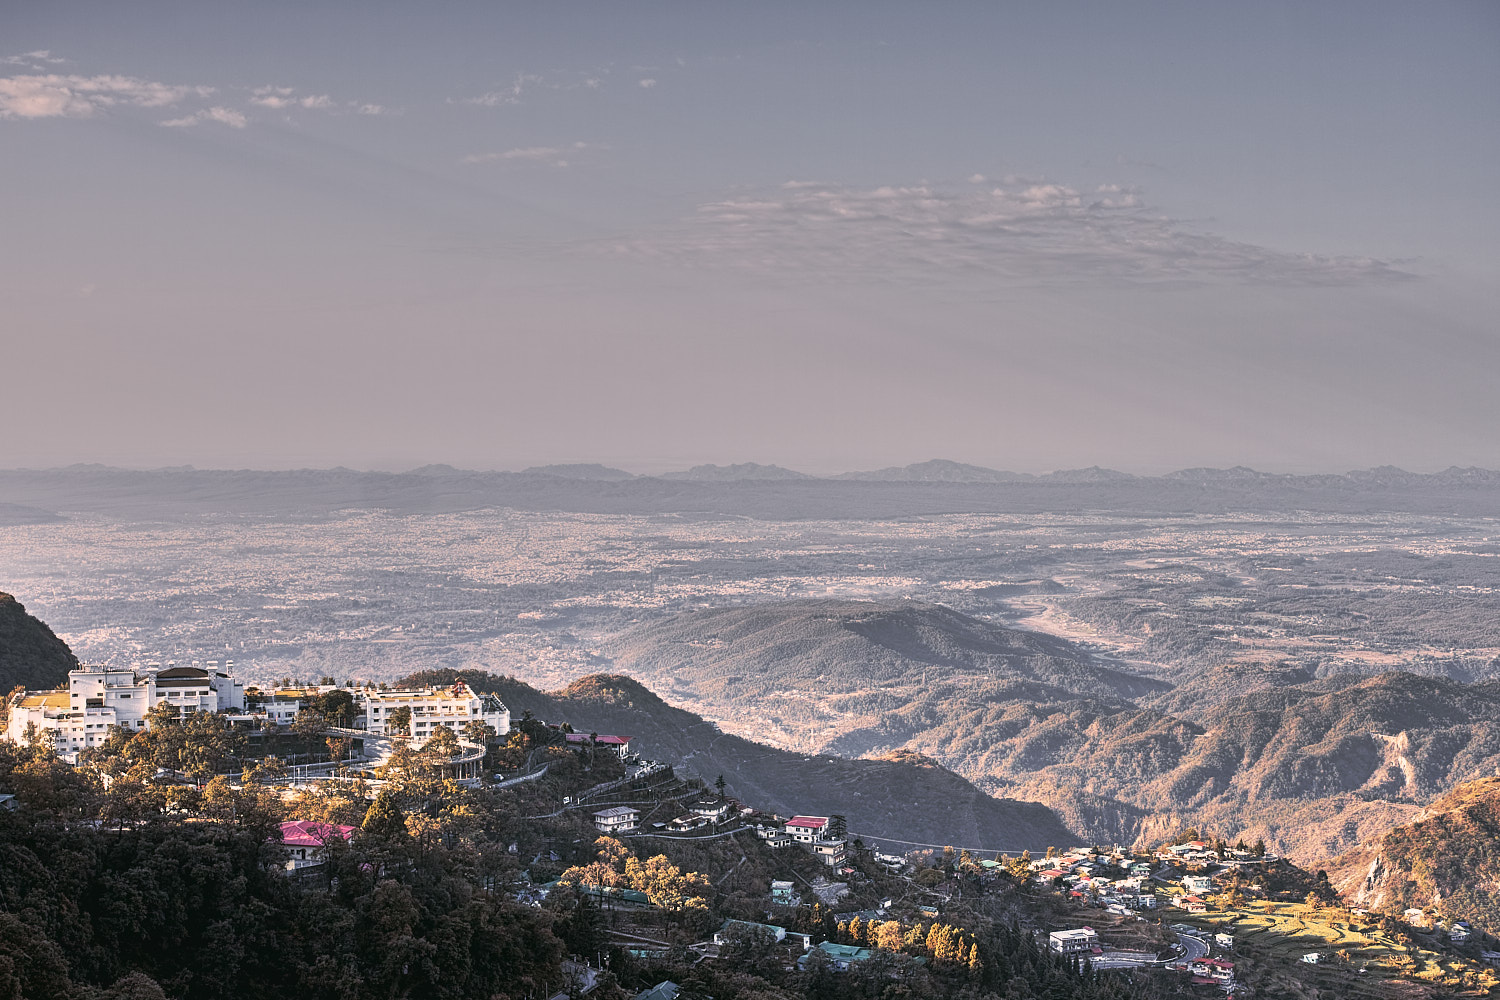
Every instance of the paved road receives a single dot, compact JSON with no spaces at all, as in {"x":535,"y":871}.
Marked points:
{"x":1196,"y":947}
{"x":1193,"y":948}
{"x":1105,"y":962}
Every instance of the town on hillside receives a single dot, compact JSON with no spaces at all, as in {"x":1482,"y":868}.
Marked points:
{"x":661,"y":884}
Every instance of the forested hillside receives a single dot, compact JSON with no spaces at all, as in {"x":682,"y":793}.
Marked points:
{"x":31,"y":655}
{"x":906,"y":798}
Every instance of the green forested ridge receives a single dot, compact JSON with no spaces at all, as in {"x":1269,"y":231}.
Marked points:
{"x":152,"y":888}
{"x":31,"y":656}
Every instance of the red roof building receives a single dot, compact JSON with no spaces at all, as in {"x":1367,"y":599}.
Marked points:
{"x":806,"y":829}
{"x":304,"y":840}
{"x":808,"y":822}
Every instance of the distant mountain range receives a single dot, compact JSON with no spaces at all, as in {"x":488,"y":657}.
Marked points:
{"x":591,"y":470}
{"x":929,"y":488}
{"x":735,"y":473}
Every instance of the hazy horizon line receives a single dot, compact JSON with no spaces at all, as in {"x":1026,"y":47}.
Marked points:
{"x":653,"y":470}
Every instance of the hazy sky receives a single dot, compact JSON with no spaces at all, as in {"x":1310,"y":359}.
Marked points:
{"x":826,"y":235}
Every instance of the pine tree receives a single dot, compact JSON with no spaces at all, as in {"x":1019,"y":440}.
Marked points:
{"x":934,"y":939}
{"x":384,"y":817}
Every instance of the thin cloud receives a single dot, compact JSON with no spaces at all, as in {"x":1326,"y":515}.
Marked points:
{"x":288,"y":99}
{"x":648,"y":83}
{"x":1016,"y":229}
{"x":506,"y":95}
{"x":551,"y":155}
{"x":224,"y":116}
{"x":283,"y":98}
{"x":36,"y":59}
{"x":69,"y":96}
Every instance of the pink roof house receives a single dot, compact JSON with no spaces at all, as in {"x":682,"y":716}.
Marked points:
{"x":304,"y":841}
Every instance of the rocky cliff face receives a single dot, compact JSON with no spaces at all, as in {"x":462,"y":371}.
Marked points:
{"x":1446,"y":860}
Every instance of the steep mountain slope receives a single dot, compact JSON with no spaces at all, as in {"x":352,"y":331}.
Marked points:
{"x":30,"y":654}
{"x":1311,"y":766}
{"x":1446,"y":860}
{"x":899,"y":797}
{"x":817,"y":672}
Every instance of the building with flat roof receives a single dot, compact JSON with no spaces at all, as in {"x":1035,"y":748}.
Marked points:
{"x":1080,"y":941}
{"x":733,"y":929}
{"x":840,"y":956}
{"x":451,"y":707}
{"x":98,"y":697}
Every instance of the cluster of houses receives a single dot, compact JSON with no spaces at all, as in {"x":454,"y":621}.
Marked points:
{"x":705,"y":812}
{"x":1123,"y":883}
{"x":98,"y":698}
{"x":811,"y":833}
{"x":1086,"y":874}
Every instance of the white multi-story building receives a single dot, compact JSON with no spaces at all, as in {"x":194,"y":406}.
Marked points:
{"x":617,"y":819}
{"x":431,"y":707}
{"x":811,"y":833}
{"x":1081,"y":940}
{"x":97,"y":698}
{"x":453,"y":707}
{"x":806,"y":829}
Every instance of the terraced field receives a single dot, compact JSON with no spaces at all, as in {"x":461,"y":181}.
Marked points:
{"x":1359,"y":960}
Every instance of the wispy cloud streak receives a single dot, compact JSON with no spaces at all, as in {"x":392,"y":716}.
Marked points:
{"x":69,"y":96}
{"x":1018,"y":229}
{"x":556,"y":156}
{"x":224,"y":116}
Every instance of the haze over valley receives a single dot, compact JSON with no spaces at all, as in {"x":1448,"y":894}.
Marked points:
{"x":1134,"y":670}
